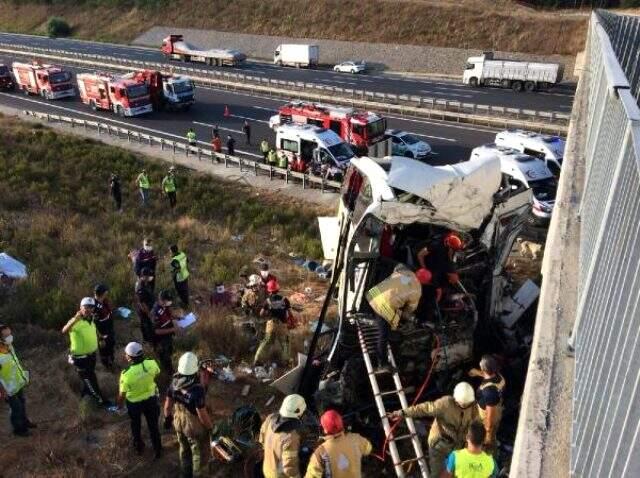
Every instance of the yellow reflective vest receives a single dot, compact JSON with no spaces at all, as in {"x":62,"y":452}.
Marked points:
{"x":169,"y":184}
{"x":183,"y":271}
{"x":12,"y":376}
{"x":138,"y":380}
{"x":143,"y":181}
{"x":472,"y":465}
{"x":84,"y":337}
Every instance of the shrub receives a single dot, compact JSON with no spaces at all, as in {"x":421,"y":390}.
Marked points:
{"x":58,"y":27}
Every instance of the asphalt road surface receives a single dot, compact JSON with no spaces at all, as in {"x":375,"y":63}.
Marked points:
{"x":558,"y":99}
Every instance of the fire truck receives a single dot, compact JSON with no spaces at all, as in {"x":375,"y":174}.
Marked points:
{"x":364,"y":131}
{"x":173,"y":92}
{"x":6,"y":80}
{"x":49,"y":81}
{"x":123,"y":96}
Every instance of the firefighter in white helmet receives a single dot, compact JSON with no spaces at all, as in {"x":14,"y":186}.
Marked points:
{"x":280,"y":439}
{"x":452,"y":417}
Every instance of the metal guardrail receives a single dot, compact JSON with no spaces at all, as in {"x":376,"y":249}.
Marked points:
{"x":404,"y":105}
{"x":606,"y":334}
{"x":305,"y":180}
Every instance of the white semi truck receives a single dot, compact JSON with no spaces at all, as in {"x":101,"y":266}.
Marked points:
{"x":485,"y":70}
{"x":297,"y":55}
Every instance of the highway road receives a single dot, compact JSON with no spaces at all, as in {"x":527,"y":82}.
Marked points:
{"x":558,"y":99}
{"x":450,"y":142}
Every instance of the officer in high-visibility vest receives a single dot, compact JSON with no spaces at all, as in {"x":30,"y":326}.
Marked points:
{"x":169,"y":187}
{"x":144,"y":185}
{"x":264,"y":149}
{"x":13,"y":379}
{"x":139,"y":391}
{"x":191,"y":137}
{"x":472,"y":461}
{"x":180,"y":273}
{"x":83,"y":336}
{"x":283,"y":161}
{"x":272,"y":157}
{"x":489,"y":398}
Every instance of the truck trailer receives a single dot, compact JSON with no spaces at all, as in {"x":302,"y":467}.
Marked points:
{"x":297,"y":55}
{"x":171,"y":92}
{"x":49,"y":81}
{"x":123,"y":96}
{"x":175,"y":48}
{"x":485,"y":70}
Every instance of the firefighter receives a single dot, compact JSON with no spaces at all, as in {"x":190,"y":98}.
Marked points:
{"x":489,"y":398}
{"x":191,"y":137}
{"x":185,"y":408}
{"x":264,"y":149}
{"x":169,"y":187}
{"x":472,"y":461}
{"x":13,"y":380}
{"x":252,"y":296}
{"x":180,"y":273}
{"x":280,"y":438}
{"x":104,"y":326}
{"x":277,"y":308}
{"x":144,"y":301}
{"x":216,"y":145}
{"x":394,"y":299}
{"x":452,"y":417}
{"x":144,"y":185}
{"x":139,"y":391}
{"x":83,"y":338}
{"x":341,"y":453}
{"x":164,"y":328}
{"x":272,"y":157}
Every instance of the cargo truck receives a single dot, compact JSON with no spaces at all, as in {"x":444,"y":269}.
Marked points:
{"x":485,"y":70}
{"x":123,"y":96}
{"x":175,"y":48}
{"x":171,"y":92}
{"x":49,"y":81}
{"x":6,"y":80}
{"x":297,"y":55}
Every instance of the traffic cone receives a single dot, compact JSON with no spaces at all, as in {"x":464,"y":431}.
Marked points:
{"x":226,"y":111}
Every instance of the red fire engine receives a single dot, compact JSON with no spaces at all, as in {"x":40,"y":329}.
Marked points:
{"x":48,"y":81}
{"x":123,"y":96}
{"x":362,"y":130}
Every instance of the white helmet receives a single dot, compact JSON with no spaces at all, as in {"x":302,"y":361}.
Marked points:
{"x":254,"y":280}
{"x":463,"y":394}
{"x":133,"y":349}
{"x":87,"y":302}
{"x":188,"y":364}
{"x":293,"y":406}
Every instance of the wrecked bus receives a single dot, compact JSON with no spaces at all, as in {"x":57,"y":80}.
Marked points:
{"x":386,"y":207}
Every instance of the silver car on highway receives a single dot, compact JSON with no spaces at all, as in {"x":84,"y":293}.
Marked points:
{"x":351,"y":67}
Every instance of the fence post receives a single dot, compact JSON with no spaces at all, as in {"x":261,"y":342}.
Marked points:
{"x":226,"y":160}
{"x":128,"y":136}
{"x":270,"y":173}
{"x":186,"y":149}
{"x":240,"y":163}
{"x":161,"y":144}
{"x":199,"y":154}
{"x":286,"y":177}
{"x":174,"y":147}
{"x":255,"y":168}
{"x":304,"y":181}
{"x":98,"y":129}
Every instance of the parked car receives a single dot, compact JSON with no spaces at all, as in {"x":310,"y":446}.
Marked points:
{"x":351,"y":67}
{"x":406,"y":144}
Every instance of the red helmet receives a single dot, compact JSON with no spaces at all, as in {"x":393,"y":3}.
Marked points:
{"x":272,"y":286}
{"x":453,"y":241}
{"x":424,"y":276}
{"x":331,"y":422}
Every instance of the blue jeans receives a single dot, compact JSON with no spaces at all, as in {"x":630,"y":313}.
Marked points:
{"x":18,"y":408}
{"x":144,"y":195}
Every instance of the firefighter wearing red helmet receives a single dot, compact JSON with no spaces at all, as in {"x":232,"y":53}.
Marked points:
{"x":276,"y":338}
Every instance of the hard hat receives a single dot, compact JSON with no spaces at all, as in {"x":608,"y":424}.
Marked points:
{"x":293,"y":406}
{"x":87,"y":302}
{"x":272,"y":286}
{"x":254,"y":279}
{"x":188,"y":364}
{"x":453,"y":241}
{"x":133,"y":349}
{"x":100,"y":289}
{"x":463,"y":394}
{"x":331,"y":422}
{"x":424,"y":276}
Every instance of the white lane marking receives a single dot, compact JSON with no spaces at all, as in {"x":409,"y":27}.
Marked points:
{"x":434,"y":137}
{"x":431,"y":92}
{"x":249,"y":119}
{"x":265,"y":109}
{"x":219,"y":127}
{"x":463,"y":90}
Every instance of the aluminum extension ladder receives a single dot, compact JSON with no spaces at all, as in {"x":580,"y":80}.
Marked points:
{"x":368,"y":337}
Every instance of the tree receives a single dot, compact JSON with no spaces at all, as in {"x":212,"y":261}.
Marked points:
{"x":58,"y":27}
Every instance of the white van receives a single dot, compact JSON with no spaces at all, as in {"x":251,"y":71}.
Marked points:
{"x":522,"y":170}
{"x":312,"y":143}
{"x":542,"y":146}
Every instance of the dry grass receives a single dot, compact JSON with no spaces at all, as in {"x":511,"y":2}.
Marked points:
{"x":499,"y":25}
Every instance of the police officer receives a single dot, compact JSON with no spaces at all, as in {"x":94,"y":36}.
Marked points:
{"x":272,"y":157}
{"x":472,"y":461}
{"x":452,"y":417}
{"x":139,"y":391}
{"x":191,"y":137}
{"x":164,"y":328}
{"x":169,"y":187}
{"x":340,"y":455}
{"x":185,"y":408}
{"x":144,"y":301}
{"x":104,"y":325}
{"x":264,"y":149}
{"x":277,"y":308}
{"x":13,"y":379}
{"x":83,"y":337}
{"x":144,"y":185}
{"x":280,"y":438}
{"x":180,"y":273}
{"x":489,"y":398}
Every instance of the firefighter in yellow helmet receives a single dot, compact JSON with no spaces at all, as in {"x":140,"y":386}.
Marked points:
{"x":280,"y":439}
{"x":452,"y":417}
